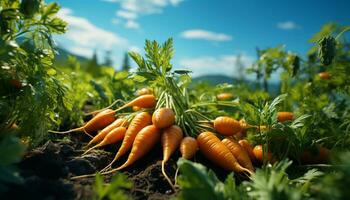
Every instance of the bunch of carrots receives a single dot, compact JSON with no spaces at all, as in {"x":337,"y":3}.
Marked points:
{"x":143,"y":130}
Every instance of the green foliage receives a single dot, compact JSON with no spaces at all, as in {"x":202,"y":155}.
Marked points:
{"x":272,"y":182}
{"x":334,"y":185}
{"x":113,"y":190}
{"x":327,"y":49}
{"x":27,"y":85}
{"x":198,"y":183}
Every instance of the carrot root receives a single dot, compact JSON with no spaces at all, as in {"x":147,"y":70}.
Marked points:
{"x":167,"y":177}
{"x":92,"y":148}
{"x":82,"y":176}
{"x":69,"y":131}
{"x":100,"y":110}
{"x":176,"y":173}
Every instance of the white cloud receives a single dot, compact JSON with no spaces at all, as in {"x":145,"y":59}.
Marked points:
{"x":133,"y":9}
{"x":287,"y":25}
{"x":116,"y":21}
{"x":201,"y":34}
{"x":223,"y":64}
{"x":126,"y":14}
{"x":131,"y":24}
{"x":85,"y":36}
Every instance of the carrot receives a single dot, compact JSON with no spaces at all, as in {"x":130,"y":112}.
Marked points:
{"x":136,"y":108}
{"x":321,"y":157}
{"x":98,"y":122}
{"x":212,"y":148}
{"x":113,"y":136}
{"x":140,"y":121}
{"x":248,"y":148}
{"x":99,"y":137}
{"x":143,"y":91}
{"x":163,"y":117}
{"x":188,"y":147}
{"x":239,"y":153}
{"x":170,"y":139}
{"x":284,"y":116}
{"x":144,"y":141}
{"x":227,"y":126}
{"x":224,"y":96}
{"x":258,"y":153}
{"x":144,"y":101}
{"x":324,"y":75}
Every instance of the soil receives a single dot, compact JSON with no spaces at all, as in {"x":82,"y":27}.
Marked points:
{"x":47,"y":171}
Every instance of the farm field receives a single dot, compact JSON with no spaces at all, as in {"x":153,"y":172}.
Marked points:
{"x":72,"y":127}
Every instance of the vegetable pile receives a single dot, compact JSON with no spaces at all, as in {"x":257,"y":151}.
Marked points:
{"x":164,"y":113}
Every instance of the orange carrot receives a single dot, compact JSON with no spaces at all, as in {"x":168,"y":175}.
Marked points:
{"x":239,"y":153}
{"x":98,"y":122}
{"x":227,"y":126}
{"x":218,"y":153}
{"x":163,"y":117}
{"x":140,"y":121}
{"x":144,"y":101}
{"x":321,"y":157}
{"x":144,"y":141}
{"x":224,"y":96}
{"x":188,"y":147}
{"x":258,"y":153}
{"x":324,"y":75}
{"x":144,"y":91}
{"x":136,"y":108}
{"x":248,"y":148}
{"x":101,"y":135}
{"x":284,"y":116}
{"x":170,"y":139}
{"x":117,"y":134}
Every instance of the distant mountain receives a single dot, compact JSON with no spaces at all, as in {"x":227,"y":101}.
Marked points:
{"x":219,"y":79}
{"x":214,"y":79}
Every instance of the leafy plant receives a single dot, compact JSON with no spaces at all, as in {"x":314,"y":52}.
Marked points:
{"x":272,"y":182}
{"x":28,"y":86}
{"x":113,"y":190}
{"x":198,"y":183}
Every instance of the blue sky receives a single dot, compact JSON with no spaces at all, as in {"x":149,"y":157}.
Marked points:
{"x":208,"y":34}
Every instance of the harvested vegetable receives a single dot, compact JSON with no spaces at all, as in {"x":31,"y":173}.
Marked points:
{"x":170,"y":139}
{"x":227,"y":126}
{"x":212,"y":148}
{"x":239,"y":153}
{"x":163,"y":117}
{"x":140,"y":121}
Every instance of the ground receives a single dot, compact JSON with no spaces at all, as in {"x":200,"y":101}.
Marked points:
{"x":47,"y":171}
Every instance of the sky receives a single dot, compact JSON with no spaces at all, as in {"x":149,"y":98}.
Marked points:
{"x":208,"y":35}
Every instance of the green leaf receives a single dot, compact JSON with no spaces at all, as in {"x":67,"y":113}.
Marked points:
{"x":198,"y":183}
{"x":121,"y":75}
{"x":50,"y":10}
{"x":29,"y":7}
{"x":113,"y":190}
{"x":57,"y":25}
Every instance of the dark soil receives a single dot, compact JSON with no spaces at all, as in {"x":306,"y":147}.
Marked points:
{"x":47,"y":171}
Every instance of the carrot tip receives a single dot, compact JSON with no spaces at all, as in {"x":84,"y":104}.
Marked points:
{"x":166,"y":177}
